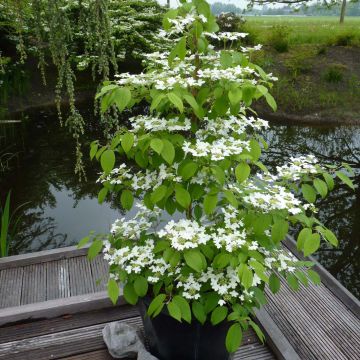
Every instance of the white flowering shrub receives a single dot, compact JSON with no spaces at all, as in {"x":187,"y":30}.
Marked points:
{"x":196,"y":156}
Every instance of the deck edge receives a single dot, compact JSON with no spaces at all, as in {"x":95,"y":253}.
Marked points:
{"x":41,"y":257}
{"x":275,"y":339}
{"x":55,"y":308}
{"x":343,"y":294}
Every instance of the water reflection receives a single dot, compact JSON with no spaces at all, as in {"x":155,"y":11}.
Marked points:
{"x":340,"y":211}
{"x":61,"y":210}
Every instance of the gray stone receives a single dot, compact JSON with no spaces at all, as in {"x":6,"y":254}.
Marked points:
{"x":123,"y":341}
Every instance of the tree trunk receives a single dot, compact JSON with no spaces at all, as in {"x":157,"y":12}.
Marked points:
{"x":343,"y":9}
{"x":168,"y":3}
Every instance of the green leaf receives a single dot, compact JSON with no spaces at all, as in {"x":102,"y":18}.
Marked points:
{"x":247,"y":277}
{"x":311,"y":244}
{"x":221,"y":260}
{"x":258,"y":331}
{"x":168,"y":152}
{"x":279,"y":230}
{"x":225,"y":59}
{"x":127,"y":199}
{"x":309,"y":193}
{"x":157,"y":145}
{"x":292,"y":281}
{"x":345,"y":179}
{"x":156,"y":304}
{"x":242,"y":172}
{"x":184,"y":307}
{"x":231,"y":198}
{"x":321,"y":187}
{"x":271,"y":101}
{"x":303,"y":235}
{"x":329,"y":181}
{"x":176,"y":101}
{"x":156,"y":101}
{"x":255,"y":149}
{"x":122,"y":97}
{"x":174,"y":310}
{"x":314,"y":277}
{"x":331,"y":237}
{"x":127,"y":141}
{"x":188,"y":170}
{"x":193,"y":258}
{"x":113,"y":290}
{"x":158,"y":194}
{"x":141,"y":286}
{"x":199,"y":312}
{"x":102,"y":195}
{"x":211,"y":301}
{"x":83,"y":242}
{"x":94,"y":249}
{"x":182,"y":197}
{"x":233,"y":338}
{"x":129,"y":294}
{"x":210,"y":202}
{"x":274,"y":283}
{"x":93,"y":150}
{"x":235,"y":96}
{"x":219,"y":315}
{"x":107,"y":160}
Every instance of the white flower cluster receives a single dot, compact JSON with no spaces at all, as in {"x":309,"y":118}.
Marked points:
{"x":180,"y":24}
{"x":268,"y":197}
{"x":226,"y":36}
{"x":133,"y":228}
{"x":216,"y":150}
{"x":154,"y":124}
{"x":232,"y":236}
{"x":184,"y":234}
{"x":297,"y":167}
{"x":225,"y":131}
{"x":228,"y":234}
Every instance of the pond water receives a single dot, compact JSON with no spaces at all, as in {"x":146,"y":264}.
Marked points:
{"x":59,"y":210}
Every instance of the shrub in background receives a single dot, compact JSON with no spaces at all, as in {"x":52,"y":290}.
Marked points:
{"x":279,"y":38}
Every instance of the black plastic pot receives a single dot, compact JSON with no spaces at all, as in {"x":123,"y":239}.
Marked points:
{"x":171,"y":340}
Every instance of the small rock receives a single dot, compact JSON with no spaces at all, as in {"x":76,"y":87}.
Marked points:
{"x":123,"y":341}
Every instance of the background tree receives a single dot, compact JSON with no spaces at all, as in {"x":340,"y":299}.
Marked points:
{"x":297,"y":3}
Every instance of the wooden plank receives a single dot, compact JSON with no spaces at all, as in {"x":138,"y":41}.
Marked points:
{"x":328,"y":280}
{"x":25,"y":330}
{"x":58,"y":282}
{"x":10,"y":287}
{"x":319,"y":326}
{"x":303,"y":331}
{"x":275,"y":338}
{"x":254,"y":352}
{"x":41,"y":256}
{"x":89,"y":339}
{"x":93,"y":355}
{"x":81,"y":280}
{"x":53,"y":308}
{"x":100,"y":273}
{"x":34,"y":284}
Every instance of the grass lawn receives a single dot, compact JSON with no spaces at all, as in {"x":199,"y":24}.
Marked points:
{"x":319,"y":30}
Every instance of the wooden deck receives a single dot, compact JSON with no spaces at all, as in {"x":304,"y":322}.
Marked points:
{"x":53,"y":305}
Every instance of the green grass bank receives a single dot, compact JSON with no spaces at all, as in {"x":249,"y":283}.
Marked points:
{"x":317,"y":61}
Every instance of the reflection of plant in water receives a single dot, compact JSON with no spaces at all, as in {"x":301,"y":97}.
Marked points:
{"x":341,"y":209}
{"x":35,"y":227}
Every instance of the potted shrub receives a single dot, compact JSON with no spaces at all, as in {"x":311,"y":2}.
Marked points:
{"x":203,"y":238}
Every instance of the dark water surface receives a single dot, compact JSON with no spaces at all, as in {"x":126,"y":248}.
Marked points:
{"x":60,"y":210}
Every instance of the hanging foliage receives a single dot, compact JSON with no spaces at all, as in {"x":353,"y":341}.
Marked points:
{"x":77,"y":35}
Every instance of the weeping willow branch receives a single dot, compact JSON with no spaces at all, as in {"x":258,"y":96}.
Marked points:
{"x":81,"y":34}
